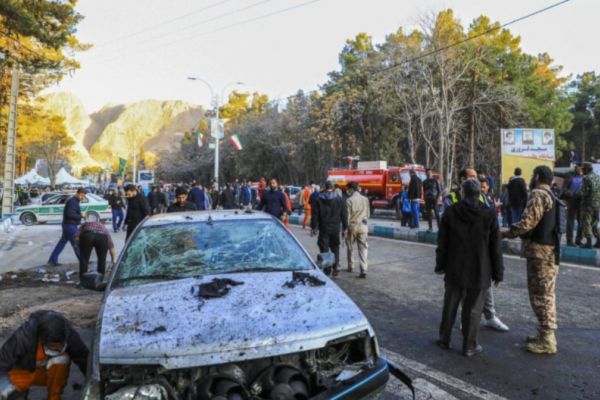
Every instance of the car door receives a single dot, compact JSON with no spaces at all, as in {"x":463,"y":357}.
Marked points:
{"x":54,"y":210}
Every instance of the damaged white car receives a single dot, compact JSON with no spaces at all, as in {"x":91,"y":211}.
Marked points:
{"x":228,"y":305}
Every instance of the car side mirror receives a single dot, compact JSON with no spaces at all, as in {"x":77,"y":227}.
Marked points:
{"x":325,"y":261}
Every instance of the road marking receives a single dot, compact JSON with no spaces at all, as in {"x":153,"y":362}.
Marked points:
{"x":440,"y":377}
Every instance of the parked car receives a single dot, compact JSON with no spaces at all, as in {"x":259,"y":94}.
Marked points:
{"x":93,"y":208}
{"x":228,"y":305}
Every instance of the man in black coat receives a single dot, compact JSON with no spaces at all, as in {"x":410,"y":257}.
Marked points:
{"x":70,"y":222}
{"x":415,"y":187}
{"x":517,"y":196}
{"x":469,"y":256}
{"x":40,"y":352}
{"x":273,"y":200}
{"x":228,"y":198}
{"x":181,"y":204}
{"x":328,"y":214}
{"x":137,"y":208}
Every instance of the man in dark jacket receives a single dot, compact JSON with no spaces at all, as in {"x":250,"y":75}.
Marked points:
{"x":517,"y":196}
{"x":228,"y":198}
{"x":181,"y":204}
{"x":196,"y":196}
{"x":273,"y":200}
{"x":469,"y":255}
{"x":137,"y":208}
{"x":328,"y":213}
{"x":71,"y":220}
{"x":414,"y":195}
{"x":39,"y":353}
{"x":432,"y":192}
{"x":116,"y":206}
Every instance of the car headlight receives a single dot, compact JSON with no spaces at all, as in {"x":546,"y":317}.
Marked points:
{"x":153,"y":391}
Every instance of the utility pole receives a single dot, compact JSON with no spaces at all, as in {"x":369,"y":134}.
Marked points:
{"x":217,"y":140}
{"x":9,"y":161}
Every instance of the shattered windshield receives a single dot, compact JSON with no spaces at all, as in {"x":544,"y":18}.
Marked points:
{"x":199,"y":248}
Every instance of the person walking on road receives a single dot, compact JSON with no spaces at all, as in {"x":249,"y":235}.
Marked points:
{"x":432,"y":192}
{"x":572,"y":195}
{"x":228,"y":198}
{"x":181,"y":203}
{"x":305,"y":196}
{"x":469,"y":256}
{"x":116,"y":207}
{"x":517,"y":196}
{"x":541,"y":247}
{"x":246,"y":196}
{"x":196,"y":196}
{"x":273,"y":201}
{"x":39,"y":353}
{"x":415,"y":188}
{"x":137,"y":208}
{"x":94,"y":235}
{"x":358,"y":211}
{"x":328,"y":213}
{"x":590,"y":205}
{"x":71,"y":220}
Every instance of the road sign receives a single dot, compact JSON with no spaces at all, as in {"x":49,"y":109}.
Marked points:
{"x":217,"y":128}
{"x":211,"y":146}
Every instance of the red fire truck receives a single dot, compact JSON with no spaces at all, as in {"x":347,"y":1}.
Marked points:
{"x":380,"y":183}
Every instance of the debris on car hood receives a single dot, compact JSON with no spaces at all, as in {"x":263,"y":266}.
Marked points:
{"x":252,"y":321}
{"x":218,"y":287}
{"x":303,"y":278}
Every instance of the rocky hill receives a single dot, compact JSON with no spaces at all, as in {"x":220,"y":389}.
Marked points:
{"x":115,"y":130}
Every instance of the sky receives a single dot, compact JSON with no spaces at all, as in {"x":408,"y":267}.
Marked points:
{"x":146,"y":49}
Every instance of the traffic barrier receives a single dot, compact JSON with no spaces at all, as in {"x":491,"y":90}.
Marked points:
{"x":5,"y":224}
{"x":574,"y":255}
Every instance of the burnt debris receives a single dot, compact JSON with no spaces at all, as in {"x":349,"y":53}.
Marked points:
{"x":216,"y":288}
{"x":303,"y":278}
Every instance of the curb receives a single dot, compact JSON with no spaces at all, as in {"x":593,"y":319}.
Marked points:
{"x":573,"y":255}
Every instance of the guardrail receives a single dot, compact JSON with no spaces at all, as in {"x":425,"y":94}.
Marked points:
{"x":574,"y":255}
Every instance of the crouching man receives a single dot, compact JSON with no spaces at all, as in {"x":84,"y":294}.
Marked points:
{"x":39,"y":353}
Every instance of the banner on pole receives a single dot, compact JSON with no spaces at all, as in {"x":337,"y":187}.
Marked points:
{"x":526,"y":148}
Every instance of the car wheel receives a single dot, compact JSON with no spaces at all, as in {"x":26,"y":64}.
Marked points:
{"x":92,"y":216}
{"x":28,"y":219}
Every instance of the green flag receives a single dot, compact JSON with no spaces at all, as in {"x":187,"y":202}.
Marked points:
{"x":122,"y":165}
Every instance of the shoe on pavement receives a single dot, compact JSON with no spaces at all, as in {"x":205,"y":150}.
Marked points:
{"x":546,"y":344}
{"x":532,"y":338}
{"x":474,"y":351}
{"x":336,"y":272}
{"x":362,"y":275}
{"x":496,"y":324}
{"x":53,"y":264}
{"x":349,"y":269}
{"x":442,"y":345}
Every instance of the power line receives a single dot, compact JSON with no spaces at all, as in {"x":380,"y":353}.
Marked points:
{"x":212,"y":19}
{"x":236,"y":24}
{"x":169,"y":21}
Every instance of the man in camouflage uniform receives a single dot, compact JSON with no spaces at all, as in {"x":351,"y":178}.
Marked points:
{"x":541,"y":244}
{"x":590,"y":204}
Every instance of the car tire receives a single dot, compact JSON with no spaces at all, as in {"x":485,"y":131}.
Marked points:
{"x":92,"y":216}
{"x":28,"y":218}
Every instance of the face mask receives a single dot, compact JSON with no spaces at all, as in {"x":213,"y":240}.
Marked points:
{"x":54,"y":353}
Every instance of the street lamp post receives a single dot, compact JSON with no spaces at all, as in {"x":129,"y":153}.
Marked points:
{"x":216,"y":103}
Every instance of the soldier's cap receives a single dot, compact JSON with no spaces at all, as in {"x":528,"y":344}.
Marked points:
{"x":587,"y":164}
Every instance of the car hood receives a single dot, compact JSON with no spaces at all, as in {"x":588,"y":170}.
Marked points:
{"x":168,"y":324}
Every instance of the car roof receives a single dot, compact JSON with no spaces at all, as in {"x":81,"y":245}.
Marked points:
{"x":203,"y":216}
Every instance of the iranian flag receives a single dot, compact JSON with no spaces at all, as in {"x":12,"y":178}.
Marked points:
{"x":235,"y":142}
{"x":201,"y":138}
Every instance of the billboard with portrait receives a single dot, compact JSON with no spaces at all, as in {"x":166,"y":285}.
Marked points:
{"x":526,"y":148}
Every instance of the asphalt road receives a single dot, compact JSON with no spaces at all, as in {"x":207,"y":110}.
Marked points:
{"x":402,"y":298}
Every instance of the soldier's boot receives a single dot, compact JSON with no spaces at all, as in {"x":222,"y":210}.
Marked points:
{"x":588,"y":244}
{"x":546,"y":344}
{"x":533,"y":338}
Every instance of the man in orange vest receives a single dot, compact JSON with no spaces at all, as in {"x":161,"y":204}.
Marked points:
{"x":308,"y":190}
{"x":39,"y":353}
